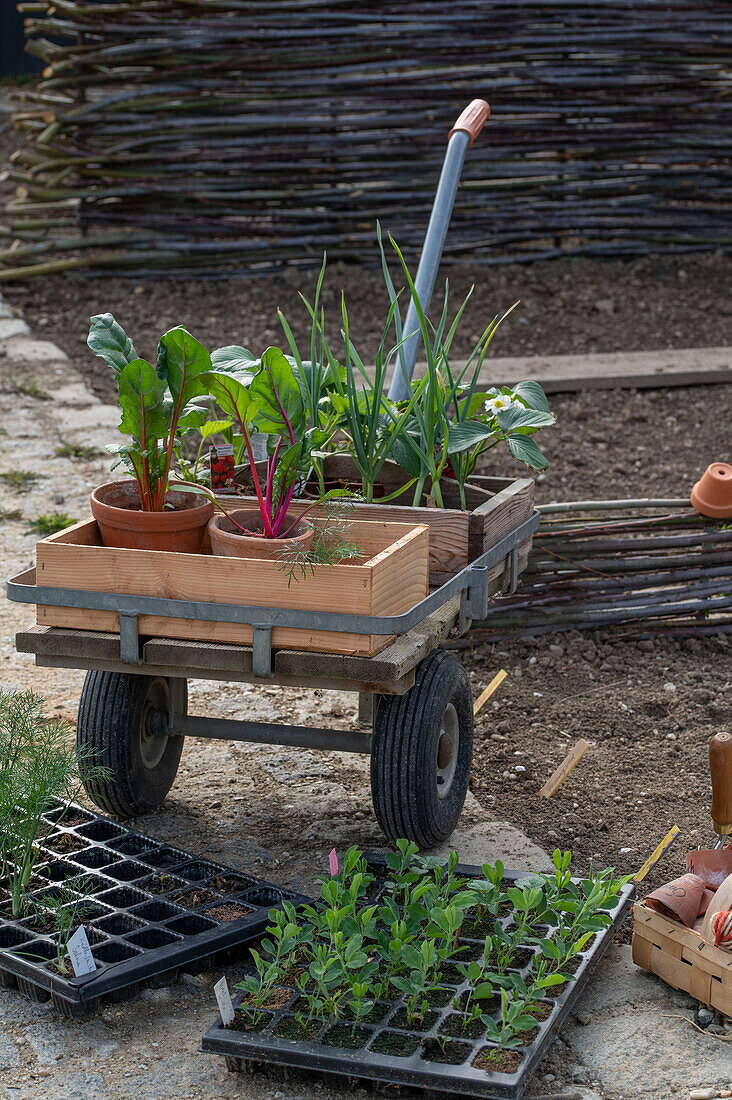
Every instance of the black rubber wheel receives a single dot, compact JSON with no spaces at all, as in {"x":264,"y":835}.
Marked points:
{"x":122,"y":726}
{"x":421,"y":753}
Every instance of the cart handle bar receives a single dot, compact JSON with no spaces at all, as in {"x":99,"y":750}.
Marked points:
{"x":471,"y":120}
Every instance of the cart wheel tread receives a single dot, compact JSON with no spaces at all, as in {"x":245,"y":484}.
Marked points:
{"x":116,"y":730}
{"x":422,"y":745}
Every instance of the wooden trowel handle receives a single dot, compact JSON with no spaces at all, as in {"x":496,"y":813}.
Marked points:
{"x":720,"y":767}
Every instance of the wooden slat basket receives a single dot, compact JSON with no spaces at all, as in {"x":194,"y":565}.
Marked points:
{"x":684,"y":960}
{"x":391,"y":579}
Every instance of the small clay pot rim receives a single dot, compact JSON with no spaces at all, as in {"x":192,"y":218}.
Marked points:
{"x":223,"y":524}
{"x":195,"y":513}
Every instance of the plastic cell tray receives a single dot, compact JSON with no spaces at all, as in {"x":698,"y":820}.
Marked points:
{"x":148,"y":909}
{"x":419,"y":1065}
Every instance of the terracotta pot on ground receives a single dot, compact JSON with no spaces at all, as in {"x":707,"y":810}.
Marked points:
{"x":116,"y":508}
{"x":228,"y":542}
{"x":712,"y":494}
{"x":680,"y":899}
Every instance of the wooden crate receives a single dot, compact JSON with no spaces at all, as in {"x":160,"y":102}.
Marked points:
{"x":392,"y":579}
{"x":680,"y":957}
{"x":496,"y":506}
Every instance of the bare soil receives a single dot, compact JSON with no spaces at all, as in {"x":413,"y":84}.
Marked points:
{"x":566,"y":306}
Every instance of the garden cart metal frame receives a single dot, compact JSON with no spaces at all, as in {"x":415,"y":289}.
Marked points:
{"x":133,"y":712}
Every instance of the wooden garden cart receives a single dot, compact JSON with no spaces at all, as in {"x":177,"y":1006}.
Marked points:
{"x":133,"y":712}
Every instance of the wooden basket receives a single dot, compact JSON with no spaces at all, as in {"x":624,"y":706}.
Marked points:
{"x":680,"y":957}
{"x":392,"y":579}
{"x":496,"y":506}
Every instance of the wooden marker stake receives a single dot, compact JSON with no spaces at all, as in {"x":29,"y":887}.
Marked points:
{"x":570,"y":761}
{"x":487,"y":692}
{"x":656,"y":854}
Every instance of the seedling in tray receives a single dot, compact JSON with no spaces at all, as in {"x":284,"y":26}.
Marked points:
{"x":407,"y":966}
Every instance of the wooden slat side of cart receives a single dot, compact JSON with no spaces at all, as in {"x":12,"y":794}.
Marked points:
{"x":684,"y":960}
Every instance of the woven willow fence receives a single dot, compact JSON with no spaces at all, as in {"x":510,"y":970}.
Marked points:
{"x":179,"y":136}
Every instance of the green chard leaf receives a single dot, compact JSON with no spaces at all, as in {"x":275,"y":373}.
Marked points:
{"x":110,"y":342}
{"x":182,"y":362}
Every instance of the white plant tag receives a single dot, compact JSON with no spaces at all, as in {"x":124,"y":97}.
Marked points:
{"x":223,"y":997}
{"x":258,"y":441}
{"x":79,"y":952}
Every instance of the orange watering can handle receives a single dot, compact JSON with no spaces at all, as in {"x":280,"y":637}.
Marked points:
{"x":472,"y":119}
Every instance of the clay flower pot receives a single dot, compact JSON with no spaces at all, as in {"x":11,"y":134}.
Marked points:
{"x":116,"y":508}
{"x":228,"y":542}
{"x":681,"y":899}
{"x":712,"y":494}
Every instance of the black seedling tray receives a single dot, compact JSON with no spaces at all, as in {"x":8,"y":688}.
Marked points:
{"x":415,"y":1069}
{"x":154,"y":909}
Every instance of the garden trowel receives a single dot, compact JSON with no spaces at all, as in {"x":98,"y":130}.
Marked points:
{"x":713,"y":865}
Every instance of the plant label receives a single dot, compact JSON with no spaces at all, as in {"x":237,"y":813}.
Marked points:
{"x":223,"y":999}
{"x":333,"y":860}
{"x":79,"y":952}
{"x":258,"y":441}
{"x":657,"y":852}
{"x":485,"y":695}
{"x":221,"y":462}
{"x":570,"y":761}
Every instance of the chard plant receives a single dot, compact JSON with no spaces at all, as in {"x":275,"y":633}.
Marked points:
{"x":153,"y":400}
{"x":264,"y":396}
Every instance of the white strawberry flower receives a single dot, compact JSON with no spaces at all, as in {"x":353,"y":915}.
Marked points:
{"x":500,"y":402}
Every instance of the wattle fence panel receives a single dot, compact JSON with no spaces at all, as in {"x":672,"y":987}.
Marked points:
{"x":214,"y":136}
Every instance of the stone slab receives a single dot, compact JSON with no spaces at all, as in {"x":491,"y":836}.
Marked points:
{"x":12,"y":326}
{"x":488,"y":841}
{"x":29,"y":349}
{"x":634,"y":1045}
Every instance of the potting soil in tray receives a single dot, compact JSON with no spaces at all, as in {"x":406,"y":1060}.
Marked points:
{"x":147,"y":908}
{"x":439,"y":1054}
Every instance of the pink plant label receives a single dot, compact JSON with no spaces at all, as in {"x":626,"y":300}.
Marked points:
{"x":333,"y":859}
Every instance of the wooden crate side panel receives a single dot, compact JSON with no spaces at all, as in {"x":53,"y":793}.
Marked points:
{"x":500,"y":515}
{"x":83,"y":533}
{"x":449,"y":530}
{"x":191,"y":577}
{"x":400,"y":576}
{"x":358,"y":645}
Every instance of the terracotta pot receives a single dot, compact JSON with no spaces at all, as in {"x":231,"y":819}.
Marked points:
{"x":680,"y":899}
{"x":228,"y":542}
{"x":712,"y":494}
{"x":711,"y":864}
{"x":116,"y":508}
